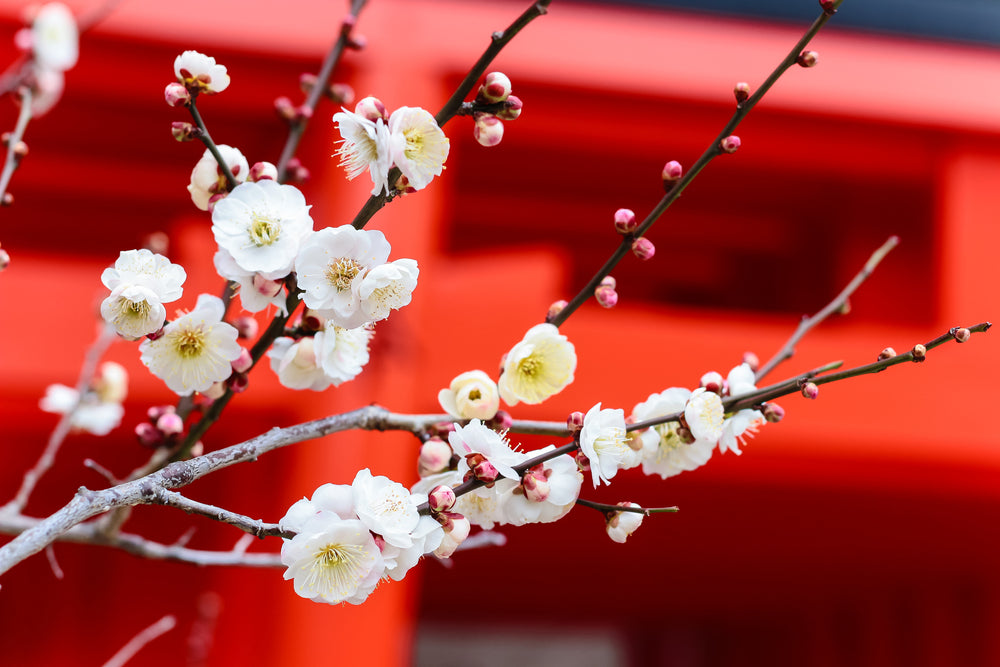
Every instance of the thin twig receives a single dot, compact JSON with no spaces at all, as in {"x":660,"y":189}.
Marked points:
{"x":606,"y":509}
{"x":12,"y":160}
{"x":206,"y":139}
{"x":808,"y":323}
{"x":137,"y":643}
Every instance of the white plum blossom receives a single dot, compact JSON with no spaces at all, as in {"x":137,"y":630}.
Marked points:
{"x":482,"y":506}
{"x":419,"y":147}
{"x":332,"y":559}
{"x":196,"y":350}
{"x":343,"y":353}
{"x":385,"y":507}
{"x":563,"y":479}
{"x":251,"y":296}
{"x":200,"y":73}
{"x":604,"y":441}
{"x":330,"y":262}
{"x":55,"y":38}
{"x":664,"y":452}
{"x":207,"y":178}
{"x":739,"y":382}
{"x":471,"y":395}
{"x":297,"y":365}
{"x":541,"y":365}
{"x":336,"y":498}
{"x":704,"y":415}
{"x":140,"y":283}
{"x":425,"y":537}
{"x":262,"y":224}
{"x":476,"y":438}
{"x":622,"y":524}
{"x":386,"y":287}
{"x":99,"y":410}
{"x":364,"y":147}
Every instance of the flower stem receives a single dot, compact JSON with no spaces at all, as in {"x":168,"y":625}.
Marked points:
{"x":206,"y":139}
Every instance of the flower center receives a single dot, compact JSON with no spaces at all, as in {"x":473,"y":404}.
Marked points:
{"x":263,"y":230}
{"x":189,"y":343}
{"x":669,"y":440}
{"x":133,"y":309}
{"x":475,"y":395}
{"x":338,"y":568}
{"x":341,"y":272}
{"x":611,"y":441}
{"x":414,"y":143}
{"x":530,"y":366}
{"x":389,"y":296}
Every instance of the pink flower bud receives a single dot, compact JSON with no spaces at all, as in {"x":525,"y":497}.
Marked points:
{"x":685,"y":435}
{"x":773,"y":413}
{"x":456,"y":529}
{"x":512,"y":108}
{"x":730,"y":144}
{"x":177,"y":95}
{"x":266,"y":286}
{"x":148,"y":435}
{"x":244,"y":362}
{"x":435,"y":457}
{"x":625,"y":221}
{"x":807,"y":59}
{"x":712,"y":381}
{"x":536,"y":484}
{"x":339,"y":93}
{"x":8,"y":199}
{"x":4,"y":259}
{"x":182,"y":131}
{"x":919,"y":352}
{"x":582,"y":462}
{"x":501,"y":421}
{"x":672,"y":171}
{"x":312,"y":320}
{"x":742,"y":92}
{"x":643,"y":248}
{"x":751,"y":360}
{"x":216,"y":391}
{"x":263,"y":171}
{"x":284,"y":107}
{"x":961,"y":335}
{"x":555,"y":309}
{"x":575,"y":421}
{"x":481,"y":468}
{"x":606,"y":296}
{"x":488,"y":130}
{"x":829,"y":6}
{"x":810,"y":390}
{"x":170,"y":423}
{"x":496,"y":87}
{"x":887,"y":353}
{"x":157,"y":411}
{"x":246,"y":327}
{"x":307,"y":82}
{"x":441,"y":498}
{"x":371,"y":108}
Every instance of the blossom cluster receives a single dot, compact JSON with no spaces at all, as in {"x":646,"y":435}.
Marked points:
{"x":99,"y":409}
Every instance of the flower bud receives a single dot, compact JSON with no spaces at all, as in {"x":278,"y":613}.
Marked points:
{"x":807,"y":59}
{"x":582,"y":462}
{"x":481,"y":468}
{"x":441,"y":498}
{"x":182,"y":131}
{"x":685,"y":435}
{"x":20,"y":150}
{"x":307,"y":81}
{"x":751,"y":360}
{"x":575,"y":421}
{"x":501,"y":421}
{"x":285,"y":108}
{"x":246,"y":327}
{"x":4,"y":259}
{"x":170,"y":423}
{"x":8,"y":199}
{"x":435,"y":457}
{"x":263,"y":171}
{"x":496,"y":88}
{"x":456,"y":529}
{"x":622,"y":524}
{"x":177,"y":95}
{"x":919,"y":352}
{"x":742,"y":92}
{"x":488,"y":130}
{"x":887,"y":353}
{"x":672,"y":171}
{"x":810,"y":390}
{"x":216,"y":391}
{"x":371,"y":108}
{"x":961,"y":335}
{"x":339,"y":93}
{"x":556,"y":308}
{"x":730,"y":144}
{"x":148,"y":435}
{"x":512,"y":108}
{"x":773,"y":413}
{"x":606,"y":296}
{"x":609,"y":281}
{"x":643,"y":248}
{"x":266,"y":286}
{"x":625,"y":221}
{"x":829,"y":6}
{"x":712,"y":381}
{"x":244,"y":362}
{"x":535,"y":484}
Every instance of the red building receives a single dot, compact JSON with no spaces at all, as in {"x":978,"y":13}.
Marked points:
{"x":859,"y":531}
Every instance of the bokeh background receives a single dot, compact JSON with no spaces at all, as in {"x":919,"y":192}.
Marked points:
{"x":862,"y":530}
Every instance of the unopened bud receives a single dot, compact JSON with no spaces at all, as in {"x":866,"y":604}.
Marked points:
{"x":609,"y":281}
{"x":829,"y":6}
{"x":575,"y":421}
{"x":672,"y":171}
{"x":339,"y":93}
{"x":751,"y":360}
{"x":4,"y":259}
{"x":244,"y":362}
{"x":246,"y":327}
{"x":182,"y":131}
{"x":712,"y":381}
{"x":7,"y":200}
{"x":496,"y":88}
{"x":177,"y":95}
{"x":622,"y":524}
{"x":216,"y":391}
{"x":154,"y":413}
{"x":741,"y":91}
{"x":170,"y":423}
{"x":887,"y":353}
{"x":919,"y":352}
{"x":435,"y":456}
{"x":606,"y":296}
{"x":238,"y":382}
{"x":961,"y":335}
{"x":773,"y":413}
{"x":730,"y":144}
{"x":148,"y":435}
{"x":356,"y":42}
{"x":482,"y":469}
{"x":285,"y":108}
{"x":582,"y":462}
{"x":266,"y":286}
{"x":535,"y":484}
{"x":807,"y":59}
{"x":263,"y":171}
{"x":685,"y":435}
{"x":371,"y":108}
{"x":20,"y":149}
{"x":488,"y":130}
{"x":810,"y":390}
{"x":556,"y":308}
{"x":625,"y":222}
{"x":312,"y":320}
{"x":307,"y":82}
{"x":456,"y":529}
{"x":501,"y":421}
{"x":441,"y":498}
{"x":643,"y":248}
{"x":512,"y":108}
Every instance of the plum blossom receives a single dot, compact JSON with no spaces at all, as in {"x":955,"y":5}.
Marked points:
{"x":99,"y":410}
{"x":541,"y":365}
{"x":195,"y":351}
{"x":253,"y":291}
{"x":55,"y":38}
{"x":364,"y":147}
{"x":622,"y":524}
{"x":207,"y":178}
{"x":604,"y":441}
{"x":471,"y":395}
{"x":476,"y":438}
{"x":482,"y":506}
{"x":200,"y":73}
{"x":664,"y":451}
{"x":297,"y":364}
{"x":343,"y":353}
{"x":562,"y":480}
{"x":704,"y":415}
{"x":262,"y":224}
{"x":386,"y":287}
{"x":419,"y":147}
{"x":739,"y":382}
{"x":140,"y":283}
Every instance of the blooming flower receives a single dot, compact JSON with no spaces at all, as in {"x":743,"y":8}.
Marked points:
{"x":541,"y":365}
{"x":664,"y":452}
{"x":563,"y":480}
{"x":297,"y":365}
{"x":385,"y":507}
{"x":140,"y":283}
{"x":704,"y":415}
{"x":475,"y":438}
{"x":622,"y":524}
{"x":55,"y":38}
{"x":604,"y":441}
{"x":471,"y":395}
{"x":386,"y":287}
{"x":207,"y":178}
{"x":739,"y":382}
{"x":419,"y":147}
{"x":364,"y":147}
{"x":195,"y":351}
{"x":343,"y":353}
{"x":253,"y":299}
{"x":99,"y":410}
{"x":328,"y":264}
{"x":200,"y":73}
{"x":261,"y":224}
